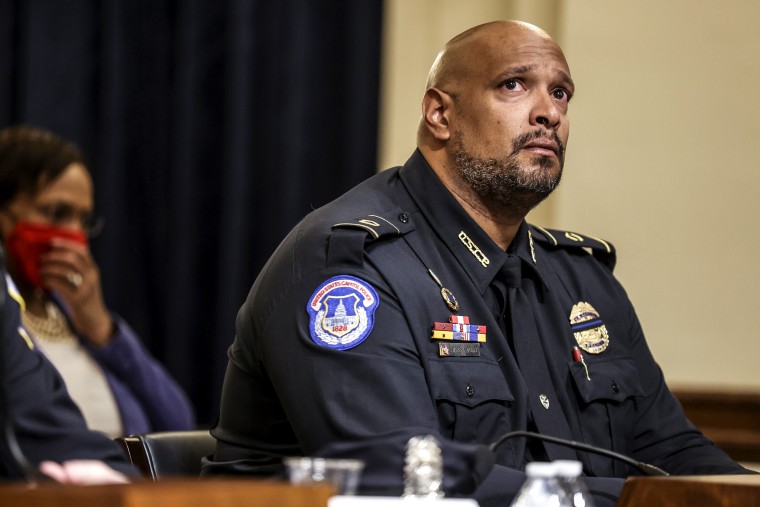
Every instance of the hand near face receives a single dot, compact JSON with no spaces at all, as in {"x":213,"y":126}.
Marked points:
{"x":82,"y":472}
{"x":69,"y":270}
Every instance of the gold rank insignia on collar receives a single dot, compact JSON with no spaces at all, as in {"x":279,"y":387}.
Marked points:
{"x":474,"y":250}
{"x":588,"y":328}
{"x":23,"y":334}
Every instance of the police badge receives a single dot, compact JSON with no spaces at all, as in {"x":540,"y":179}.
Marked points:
{"x":588,"y":328}
{"x":342,"y":312}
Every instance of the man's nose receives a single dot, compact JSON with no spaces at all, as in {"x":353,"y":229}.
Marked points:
{"x":546,"y":112}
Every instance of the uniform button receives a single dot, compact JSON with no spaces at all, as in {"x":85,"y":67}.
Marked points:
{"x":615,"y":387}
{"x":470,"y":391}
{"x":404,"y":218}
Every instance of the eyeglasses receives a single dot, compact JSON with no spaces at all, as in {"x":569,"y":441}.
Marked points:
{"x":61,"y":214}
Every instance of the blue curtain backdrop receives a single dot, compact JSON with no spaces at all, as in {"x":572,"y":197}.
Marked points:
{"x":211,"y":128}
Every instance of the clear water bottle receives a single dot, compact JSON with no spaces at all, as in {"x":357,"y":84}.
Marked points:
{"x":423,"y":468}
{"x":541,"y":488}
{"x":569,"y":477}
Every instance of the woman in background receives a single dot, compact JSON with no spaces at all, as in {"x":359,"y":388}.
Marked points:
{"x":46,"y":219}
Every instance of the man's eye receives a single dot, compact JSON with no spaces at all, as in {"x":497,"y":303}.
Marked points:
{"x":561,"y":94}
{"x":512,"y":84}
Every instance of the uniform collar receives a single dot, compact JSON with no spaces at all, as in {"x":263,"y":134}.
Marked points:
{"x":522,"y":246}
{"x":474,"y":250}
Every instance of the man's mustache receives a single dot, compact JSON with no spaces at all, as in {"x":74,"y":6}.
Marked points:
{"x":523,"y":139}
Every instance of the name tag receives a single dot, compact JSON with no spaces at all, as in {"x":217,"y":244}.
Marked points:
{"x":456,"y":349}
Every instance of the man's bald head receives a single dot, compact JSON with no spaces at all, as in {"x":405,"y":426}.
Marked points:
{"x":462,"y":54}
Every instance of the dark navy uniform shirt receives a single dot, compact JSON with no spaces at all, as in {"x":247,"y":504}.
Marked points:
{"x":294,"y":387}
{"x":47,"y":423}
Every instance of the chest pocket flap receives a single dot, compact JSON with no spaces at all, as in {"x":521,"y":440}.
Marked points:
{"x":468,"y":382}
{"x":613,"y":380}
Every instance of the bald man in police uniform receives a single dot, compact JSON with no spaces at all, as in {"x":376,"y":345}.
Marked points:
{"x":421,"y":302}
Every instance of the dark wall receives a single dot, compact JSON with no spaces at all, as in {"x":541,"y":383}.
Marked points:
{"x":210,"y":128}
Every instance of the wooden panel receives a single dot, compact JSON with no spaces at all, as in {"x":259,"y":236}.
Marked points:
{"x":697,"y":491}
{"x":729,"y":418}
{"x":216,"y":493}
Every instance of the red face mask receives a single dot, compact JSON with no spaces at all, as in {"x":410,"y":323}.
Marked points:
{"x":28,"y":241}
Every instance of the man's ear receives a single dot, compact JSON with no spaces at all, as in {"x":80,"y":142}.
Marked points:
{"x":436,"y":107}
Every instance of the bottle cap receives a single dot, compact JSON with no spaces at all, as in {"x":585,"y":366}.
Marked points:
{"x":568,"y":468}
{"x":540,"y":469}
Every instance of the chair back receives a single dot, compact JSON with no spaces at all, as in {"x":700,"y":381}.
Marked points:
{"x":164,"y":454}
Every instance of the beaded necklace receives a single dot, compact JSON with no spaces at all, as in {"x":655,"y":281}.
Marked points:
{"x":52,"y":327}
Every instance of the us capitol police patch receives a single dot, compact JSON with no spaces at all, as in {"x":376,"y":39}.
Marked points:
{"x":588,"y":328}
{"x":342,"y":312}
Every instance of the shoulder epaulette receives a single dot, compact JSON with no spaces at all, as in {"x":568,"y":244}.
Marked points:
{"x":348,"y":238}
{"x":395,"y":222}
{"x":602,"y":251}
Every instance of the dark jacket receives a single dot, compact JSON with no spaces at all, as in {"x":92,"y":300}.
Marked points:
{"x":294,"y":385}
{"x":35,"y":405}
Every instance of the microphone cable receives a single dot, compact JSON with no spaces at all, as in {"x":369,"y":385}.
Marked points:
{"x":644,"y":468}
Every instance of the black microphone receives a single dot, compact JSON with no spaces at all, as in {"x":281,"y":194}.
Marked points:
{"x":644,"y":468}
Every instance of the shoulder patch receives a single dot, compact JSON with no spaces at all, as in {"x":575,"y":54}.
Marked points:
{"x":342,"y":312}
{"x":602,"y":250}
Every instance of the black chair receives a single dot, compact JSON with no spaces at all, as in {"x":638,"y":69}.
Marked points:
{"x":165,"y":454}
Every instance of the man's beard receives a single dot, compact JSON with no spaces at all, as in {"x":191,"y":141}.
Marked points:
{"x":507,"y":182}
